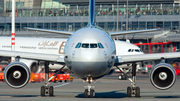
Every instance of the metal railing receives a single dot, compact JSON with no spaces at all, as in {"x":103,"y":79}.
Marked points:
{"x":100,"y":11}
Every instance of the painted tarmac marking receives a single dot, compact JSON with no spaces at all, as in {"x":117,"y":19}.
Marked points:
{"x":61,"y":85}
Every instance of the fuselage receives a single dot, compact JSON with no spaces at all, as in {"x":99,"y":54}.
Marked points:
{"x":37,"y":45}
{"x":90,"y":52}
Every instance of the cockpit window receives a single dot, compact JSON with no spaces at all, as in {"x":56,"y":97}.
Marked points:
{"x":134,"y":50}
{"x":137,"y":50}
{"x":93,"y":45}
{"x":100,"y":45}
{"x":85,"y":45}
{"x":78,"y":45}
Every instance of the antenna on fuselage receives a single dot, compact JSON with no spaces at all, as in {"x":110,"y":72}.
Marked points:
{"x":91,"y":13}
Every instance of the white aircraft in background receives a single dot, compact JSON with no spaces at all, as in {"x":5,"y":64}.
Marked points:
{"x":38,"y":45}
{"x":89,"y":53}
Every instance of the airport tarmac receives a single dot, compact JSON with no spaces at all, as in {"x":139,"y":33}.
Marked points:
{"x":108,"y":88}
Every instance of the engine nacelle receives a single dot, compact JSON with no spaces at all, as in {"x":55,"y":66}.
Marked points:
{"x":17,"y":74}
{"x":163,"y":76}
{"x":32,"y":64}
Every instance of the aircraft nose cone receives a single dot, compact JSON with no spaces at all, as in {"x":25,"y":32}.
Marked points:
{"x":90,"y":55}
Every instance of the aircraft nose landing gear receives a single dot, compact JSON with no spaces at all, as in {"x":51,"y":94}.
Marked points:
{"x":89,"y":90}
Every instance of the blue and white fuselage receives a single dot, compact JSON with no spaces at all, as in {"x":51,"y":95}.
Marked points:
{"x":90,"y":52}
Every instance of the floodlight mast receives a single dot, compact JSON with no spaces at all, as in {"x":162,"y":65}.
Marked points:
{"x":13,"y":30}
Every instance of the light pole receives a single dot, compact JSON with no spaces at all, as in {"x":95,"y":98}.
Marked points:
{"x":13,"y":30}
{"x":117,"y":15}
{"x":127,"y":19}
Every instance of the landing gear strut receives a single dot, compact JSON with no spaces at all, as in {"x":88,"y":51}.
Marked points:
{"x":89,"y":90}
{"x":47,"y":89}
{"x":133,"y":89}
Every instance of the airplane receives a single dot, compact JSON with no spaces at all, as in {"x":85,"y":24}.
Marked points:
{"x":38,"y":45}
{"x":90,"y":53}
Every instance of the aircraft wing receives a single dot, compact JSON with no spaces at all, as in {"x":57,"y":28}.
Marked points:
{"x":145,"y":57}
{"x":133,"y":32}
{"x":50,"y":31}
{"x":34,"y":56}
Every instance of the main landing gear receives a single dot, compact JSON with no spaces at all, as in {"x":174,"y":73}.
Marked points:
{"x":89,"y":90}
{"x":133,"y":89}
{"x":48,"y":89}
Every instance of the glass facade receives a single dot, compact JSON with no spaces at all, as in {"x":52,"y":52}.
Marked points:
{"x":29,"y":8}
{"x":54,"y":8}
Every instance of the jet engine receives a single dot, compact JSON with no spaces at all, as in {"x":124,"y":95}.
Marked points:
{"x":32,"y":64}
{"x":17,"y":74}
{"x":163,"y":76}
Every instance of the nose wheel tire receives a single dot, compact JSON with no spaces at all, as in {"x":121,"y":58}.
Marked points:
{"x":137,"y":92}
{"x":86,"y":93}
{"x":92,"y":93}
{"x":51,"y":91}
{"x":129,"y":91}
{"x":42,"y":91}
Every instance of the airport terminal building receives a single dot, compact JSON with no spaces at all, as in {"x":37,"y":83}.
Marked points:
{"x":73,"y":14}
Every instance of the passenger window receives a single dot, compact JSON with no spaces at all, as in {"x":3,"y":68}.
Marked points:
{"x":129,"y":50}
{"x":100,"y":45}
{"x":93,"y":45}
{"x":85,"y":45}
{"x":78,"y":45}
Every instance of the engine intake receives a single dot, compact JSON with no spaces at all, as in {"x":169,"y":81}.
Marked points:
{"x":163,"y":76}
{"x":17,"y":74}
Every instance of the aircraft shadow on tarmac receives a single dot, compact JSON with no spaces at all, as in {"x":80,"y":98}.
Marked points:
{"x":12,"y":95}
{"x":112,"y":94}
{"x":161,"y":96}
{"x":167,"y":97}
{"x":118,"y":94}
